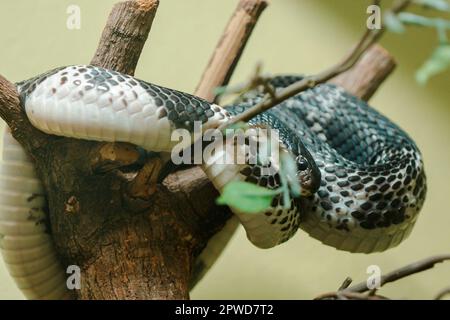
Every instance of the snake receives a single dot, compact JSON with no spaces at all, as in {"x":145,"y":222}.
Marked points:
{"x":361,"y":177}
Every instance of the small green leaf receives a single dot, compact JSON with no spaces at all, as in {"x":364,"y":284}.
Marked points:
{"x":392,"y":23}
{"x":238,"y":126}
{"x":441,"y":5}
{"x":218,"y":91}
{"x":441,"y":29}
{"x":229,"y":89}
{"x":437,"y":63}
{"x":246,"y":197}
{"x":416,"y":20}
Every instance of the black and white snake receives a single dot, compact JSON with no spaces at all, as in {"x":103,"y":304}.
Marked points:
{"x":362,"y":178}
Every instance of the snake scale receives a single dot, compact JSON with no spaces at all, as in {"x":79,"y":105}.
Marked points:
{"x":362,"y":178}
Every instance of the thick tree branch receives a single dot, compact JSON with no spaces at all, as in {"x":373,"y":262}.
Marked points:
{"x":16,"y":119}
{"x":230,"y":47}
{"x":124,"y":36}
{"x":368,"y":74}
{"x":148,"y":251}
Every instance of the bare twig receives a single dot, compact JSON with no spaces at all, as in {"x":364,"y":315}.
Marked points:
{"x":345,"y":284}
{"x":230,"y":47}
{"x":346,"y":295}
{"x":367,"y":40}
{"x":403,"y":272}
{"x":443,"y":293}
{"x":360,"y":291}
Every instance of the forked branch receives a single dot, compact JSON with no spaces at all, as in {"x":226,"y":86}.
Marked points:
{"x":403,"y":272}
{"x":360,"y":291}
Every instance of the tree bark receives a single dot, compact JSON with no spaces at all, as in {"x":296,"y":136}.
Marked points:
{"x":125,"y":34}
{"x":128,"y":244}
{"x":230,"y":47}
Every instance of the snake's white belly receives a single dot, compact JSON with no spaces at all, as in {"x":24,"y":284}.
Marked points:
{"x":26,"y":246}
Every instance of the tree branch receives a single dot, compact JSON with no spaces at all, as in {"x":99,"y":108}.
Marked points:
{"x":368,"y":74}
{"x":442,"y":293}
{"x":16,"y":119}
{"x":124,"y":36}
{"x":145,"y":251}
{"x":403,"y":272}
{"x":357,"y":292}
{"x":230,"y":47}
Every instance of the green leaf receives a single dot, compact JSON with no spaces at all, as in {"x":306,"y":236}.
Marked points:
{"x":416,"y":20}
{"x":392,"y":23}
{"x":437,"y":63}
{"x":218,"y":91}
{"x":421,"y":21}
{"x":238,"y":126}
{"x":246,"y":197}
{"x":441,"y":5}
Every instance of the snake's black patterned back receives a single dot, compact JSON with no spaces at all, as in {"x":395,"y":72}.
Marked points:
{"x":372,"y":171}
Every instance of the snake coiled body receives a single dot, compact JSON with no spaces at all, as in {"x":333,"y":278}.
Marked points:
{"x":363,"y":179}
{"x":372,"y":178}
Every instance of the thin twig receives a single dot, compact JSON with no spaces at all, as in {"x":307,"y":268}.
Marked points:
{"x":345,"y":284}
{"x":443,"y":293}
{"x":345,"y":295}
{"x":367,"y":40}
{"x":403,"y":272}
{"x":360,"y":291}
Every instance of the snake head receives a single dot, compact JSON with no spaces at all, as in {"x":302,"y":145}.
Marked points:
{"x":308,"y":173}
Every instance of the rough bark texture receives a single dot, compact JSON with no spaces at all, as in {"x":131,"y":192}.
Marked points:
{"x":230,"y":47}
{"x":131,"y":238}
{"x":124,"y":36}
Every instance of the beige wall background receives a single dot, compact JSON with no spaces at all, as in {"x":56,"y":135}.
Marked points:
{"x":293,"y":36}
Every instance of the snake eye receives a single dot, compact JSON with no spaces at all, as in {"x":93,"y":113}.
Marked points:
{"x":302,"y":164}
